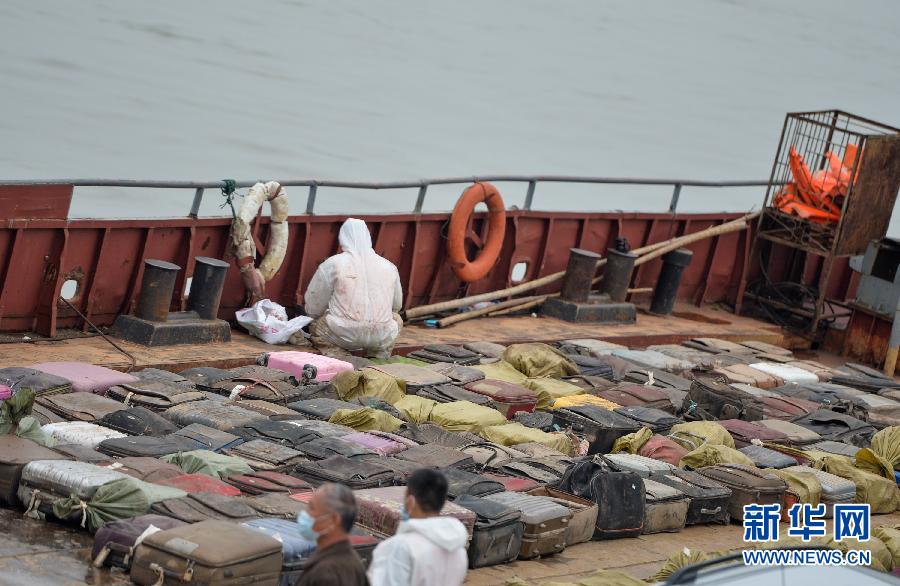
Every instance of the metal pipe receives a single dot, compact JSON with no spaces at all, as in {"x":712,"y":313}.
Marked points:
{"x":676,"y":193}
{"x":617,"y":274}
{"x":529,"y":195}
{"x":420,"y":199}
{"x":206,"y":286}
{"x":579,"y":274}
{"x":195,"y":206}
{"x":669,"y":279}
{"x":310,"y":199}
{"x":157,"y":286}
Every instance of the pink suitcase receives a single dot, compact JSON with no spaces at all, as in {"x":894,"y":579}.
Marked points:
{"x":380,"y":442}
{"x":292,"y":362}
{"x":86,"y":378}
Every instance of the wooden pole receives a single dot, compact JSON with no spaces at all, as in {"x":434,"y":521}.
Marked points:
{"x":450,"y":320}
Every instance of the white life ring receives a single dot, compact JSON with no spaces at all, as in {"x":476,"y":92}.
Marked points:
{"x":245,"y":249}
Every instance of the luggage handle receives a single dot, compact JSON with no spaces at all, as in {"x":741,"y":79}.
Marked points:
{"x":715,"y":511}
{"x":162,"y":573}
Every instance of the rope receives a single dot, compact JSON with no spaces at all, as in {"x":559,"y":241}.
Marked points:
{"x":228,"y":193}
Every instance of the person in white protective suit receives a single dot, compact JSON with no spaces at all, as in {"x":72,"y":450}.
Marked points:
{"x":354,"y":297}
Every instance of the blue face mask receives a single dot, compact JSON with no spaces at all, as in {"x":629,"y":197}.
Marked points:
{"x":305,"y":524}
{"x":404,"y":514}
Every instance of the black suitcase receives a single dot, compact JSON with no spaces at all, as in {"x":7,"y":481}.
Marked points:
{"x":497,"y":537}
{"x":837,"y":427}
{"x":544,"y":471}
{"x":619,"y":495}
{"x":722,"y":401}
{"x":462,"y":483}
{"x":429,"y":433}
{"x":208,"y":438}
{"x":657,"y":420}
{"x":215,"y":414}
{"x":326,"y":447}
{"x":156,"y":395}
{"x":85,"y":454}
{"x":203,"y":506}
{"x":356,"y":473}
{"x":140,"y":445}
{"x":446,"y":353}
{"x":709,"y":499}
{"x":591,"y":366}
{"x":434,"y":456}
{"x":137,"y":421}
{"x":279,"y":432}
{"x":542,"y":420}
{"x":204,"y":377}
{"x":321,"y":409}
{"x":459,"y":374}
{"x":765,"y":458}
{"x":450,"y":393}
{"x":601,"y":427}
{"x":658,"y":378}
{"x":163,"y":375}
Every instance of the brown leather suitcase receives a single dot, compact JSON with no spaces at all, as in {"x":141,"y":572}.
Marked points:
{"x":15,"y":452}
{"x":79,"y":406}
{"x":584,"y":513}
{"x":748,"y":484}
{"x":546,"y":522}
{"x":214,"y":553}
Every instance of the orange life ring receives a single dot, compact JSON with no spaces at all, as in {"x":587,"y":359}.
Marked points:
{"x":473,"y":270}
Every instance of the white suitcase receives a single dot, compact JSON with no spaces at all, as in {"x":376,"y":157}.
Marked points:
{"x":80,"y":433}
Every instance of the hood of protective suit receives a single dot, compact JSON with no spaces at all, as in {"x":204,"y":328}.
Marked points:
{"x":354,"y":236}
{"x":448,"y":533}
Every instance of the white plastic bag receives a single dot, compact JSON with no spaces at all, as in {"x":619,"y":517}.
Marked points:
{"x":268,"y":321}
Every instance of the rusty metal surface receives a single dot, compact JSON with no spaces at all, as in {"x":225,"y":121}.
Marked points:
{"x":866,"y":336}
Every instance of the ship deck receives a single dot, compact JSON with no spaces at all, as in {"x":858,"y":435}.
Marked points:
{"x":687,"y":322}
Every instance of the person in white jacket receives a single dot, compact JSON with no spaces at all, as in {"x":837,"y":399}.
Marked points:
{"x":354,"y":297}
{"x":427,"y":549}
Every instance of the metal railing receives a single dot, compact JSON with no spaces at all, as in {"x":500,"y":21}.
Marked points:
{"x":421,"y":184}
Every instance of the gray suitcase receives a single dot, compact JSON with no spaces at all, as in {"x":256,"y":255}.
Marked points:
{"x":642,"y":465}
{"x":44,"y":482}
{"x":211,"y":414}
{"x":264,"y":455}
{"x":765,"y":458}
{"x":834,"y":488}
{"x":665,"y":508}
{"x":546,"y":523}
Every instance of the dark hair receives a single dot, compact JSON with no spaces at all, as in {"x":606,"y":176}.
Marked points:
{"x":340,"y":500}
{"x":429,"y":488}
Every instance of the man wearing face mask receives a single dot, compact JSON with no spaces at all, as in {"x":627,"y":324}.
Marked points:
{"x":427,"y":549}
{"x":328,"y":521}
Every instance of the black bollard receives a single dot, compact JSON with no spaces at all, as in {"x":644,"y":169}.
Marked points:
{"x":579,"y":274}
{"x":206,"y":286}
{"x":666,"y":290}
{"x":157,"y":286}
{"x":617,"y":274}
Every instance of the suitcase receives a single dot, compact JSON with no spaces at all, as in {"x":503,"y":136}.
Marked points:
{"x":879,"y":411}
{"x":743,"y":373}
{"x":657,"y":420}
{"x":744,"y":432}
{"x":139,"y":445}
{"x":600,"y":427}
{"x":485,"y":349}
{"x":822,"y":372}
{"x":279,"y":432}
{"x":618,"y":493}
{"x":795,"y":435}
{"x":326,"y":447}
{"x":665,"y":510}
{"x":83,"y":454}
{"x":194,"y":483}
{"x":458,"y":373}
{"x":546,"y":523}
{"x":491,"y":455}
{"x":145,"y":468}
{"x":657,"y":378}
{"x":400,"y":468}
{"x":268,"y":481}
{"x":44,"y":415}
{"x":205,"y":376}
{"x":204,"y":506}
{"x":834,"y":488}
{"x":446,"y":353}
{"x":748,"y":484}
{"x":114,"y":543}
{"x":15,"y":453}
{"x":766,"y":348}
{"x":589,"y":347}
{"x":640,"y":465}
{"x":87,"y":378}
{"x":660,"y":447}
{"x":630,"y":394}
{"x":323,"y":428}
{"x":786,"y":408}
{"x":594,"y":366}
{"x":755,"y":391}
{"x":209,"y":552}
{"x":436,"y":456}
{"x":203,"y":437}
{"x":280,"y":392}
{"x":722,"y":401}
{"x":542,"y":470}
{"x":356,"y":473}
{"x":463,"y":483}
{"x":79,"y":406}
{"x":157,"y":374}
{"x":429,"y":433}
{"x":716,"y":346}
{"x":415,"y":377}
{"x":295,"y":550}
{"x":155,"y":395}
{"x":497,"y":537}
{"x":708,"y":498}
{"x":137,"y":421}
{"x":513,"y":483}
{"x":211,"y":414}
{"x":321,"y":409}
{"x":766,"y":458}
{"x":839,"y":448}
{"x":542,"y":420}
{"x":538,"y":450}
{"x":44,"y":482}
{"x":379,"y":510}
{"x":41,"y":383}
{"x":379,"y":442}
{"x":273,"y":411}
{"x":584,"y":513}
{"x":837,"y":427}
{"x":263,"y":455}
{"x":509,"y":398}
{"x":828,"y":395}
{"x":653,"y":359}
{"x":699,"y":357}
{"x":785,"y":373}
{"x":295,"y":362}
{"x":451,"y":393}
{"x":277,"y":505}
{"x":80,"y":432}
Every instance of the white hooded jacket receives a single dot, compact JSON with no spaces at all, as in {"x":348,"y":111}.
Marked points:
{"x":357,"y":291}
{"x":424,"y":552}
